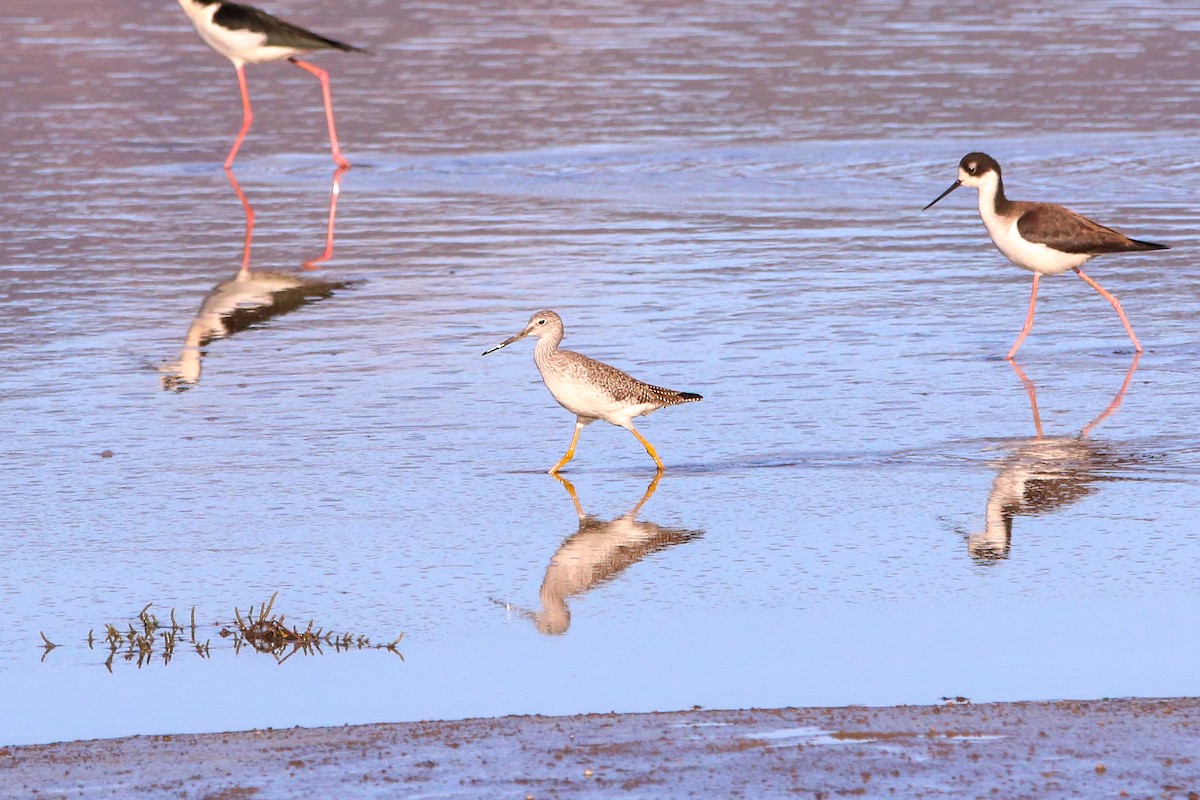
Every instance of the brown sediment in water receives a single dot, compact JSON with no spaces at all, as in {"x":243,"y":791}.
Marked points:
{"x":1061,"y":749}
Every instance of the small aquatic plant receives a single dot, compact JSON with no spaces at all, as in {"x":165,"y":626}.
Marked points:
{"x":146,"y":639}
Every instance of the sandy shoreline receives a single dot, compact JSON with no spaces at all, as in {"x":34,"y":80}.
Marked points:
{"x":1085,"y":749}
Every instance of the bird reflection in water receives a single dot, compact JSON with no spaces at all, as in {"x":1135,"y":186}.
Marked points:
{"x":1043,"y":474}
{"x":597,"y":553}
{"x":249,"y":297}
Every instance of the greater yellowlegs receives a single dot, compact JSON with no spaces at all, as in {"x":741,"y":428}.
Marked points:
{"x":589,"y":389}
{"x":245,"y":35}
{"x":1043,"y":238}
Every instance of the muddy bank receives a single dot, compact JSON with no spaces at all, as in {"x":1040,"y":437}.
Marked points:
{"x":1085,"y":749}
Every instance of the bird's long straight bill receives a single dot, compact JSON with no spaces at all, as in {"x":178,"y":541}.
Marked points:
{"x":506,"y":342}
{"x":953,"y":186}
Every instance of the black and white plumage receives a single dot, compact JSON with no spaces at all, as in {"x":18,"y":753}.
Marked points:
{"x":247,"y":35}
{"x":1043,"y":238}
{"x":591,"y":389}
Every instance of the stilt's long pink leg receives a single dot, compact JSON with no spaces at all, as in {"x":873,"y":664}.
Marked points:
{"x":247,"y":116}
{"x":1030,"y":390}
{"x":249,"y":221}
{"x":1116,"y":401}
{"x":1028,"y":318}
{"x":334,"y":193}
{"x":323,"y":77}
{"x":1115,"y":304}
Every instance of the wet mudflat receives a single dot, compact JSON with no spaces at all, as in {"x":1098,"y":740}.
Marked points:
{"x":1066,"y":749}
{"x":720,"y":198}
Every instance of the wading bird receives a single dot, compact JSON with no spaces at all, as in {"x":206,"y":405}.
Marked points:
{"x":589,"y":389}
{"x":1043,"y":238}
{"x":245,"y":35}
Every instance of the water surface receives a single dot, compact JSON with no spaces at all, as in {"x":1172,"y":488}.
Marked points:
{"x":718,"y":197}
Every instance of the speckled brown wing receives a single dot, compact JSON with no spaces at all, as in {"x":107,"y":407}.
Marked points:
{"x":626,"y":388}
{"x":1056,"y":227}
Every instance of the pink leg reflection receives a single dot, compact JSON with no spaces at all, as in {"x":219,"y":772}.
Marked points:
{"x":249,"y":221}
{"x":334,"y":193}
{"x":1030,"y":390}
{"x":1116,"y":401}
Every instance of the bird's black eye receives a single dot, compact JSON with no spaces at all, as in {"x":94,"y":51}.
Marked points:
{"x":541,"y":322}
{"x":972,"y":168}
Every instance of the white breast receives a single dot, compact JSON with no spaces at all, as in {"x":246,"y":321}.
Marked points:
{"x":239,"y":46}
{"x":576,"y":396}
{"x":1028,"y":255}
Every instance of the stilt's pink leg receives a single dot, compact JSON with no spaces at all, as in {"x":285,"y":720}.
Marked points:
{"x":1115,"y":304}
{"x":1028,"y":318}
{"x":1116,"y":401}
{"x":1030,"y":390}
{"x":249,"y":221}
{"x":247,"y":116}
{"x":333,"y":198}
{"x":323,"y":77}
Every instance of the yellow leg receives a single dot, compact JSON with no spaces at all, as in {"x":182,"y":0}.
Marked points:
{"x":649,"y":493}
{"x":570,"y":450}
{"x":571,"y":491}
{"x":649,"y":447}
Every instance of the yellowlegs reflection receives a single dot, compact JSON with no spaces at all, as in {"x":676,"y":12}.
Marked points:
{"x":597,"y":553}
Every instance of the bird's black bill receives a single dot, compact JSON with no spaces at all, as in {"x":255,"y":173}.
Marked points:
{"x":953,"y":186}
{"x":506,"y":342}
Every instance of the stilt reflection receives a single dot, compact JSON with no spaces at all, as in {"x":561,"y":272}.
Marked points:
{"x":1044,"y":474}
{"x":249,"y":297}
{"x":596,"y":553}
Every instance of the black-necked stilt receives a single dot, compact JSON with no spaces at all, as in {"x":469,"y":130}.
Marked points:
{"x":245,"y":35}
{"x":1041,"y":237}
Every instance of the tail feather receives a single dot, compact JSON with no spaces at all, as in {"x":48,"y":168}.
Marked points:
{"x":1149,"y":245}
{"x":648,"y":393}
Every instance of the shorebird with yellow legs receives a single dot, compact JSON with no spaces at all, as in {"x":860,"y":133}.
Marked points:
{"x":1044,"y":238}
{"x":590,"y":389}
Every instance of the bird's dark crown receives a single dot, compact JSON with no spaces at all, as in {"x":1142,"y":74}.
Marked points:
{"x":978,"y":164}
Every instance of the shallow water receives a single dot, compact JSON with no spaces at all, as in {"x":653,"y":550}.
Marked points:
{"x":718,"y":197}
